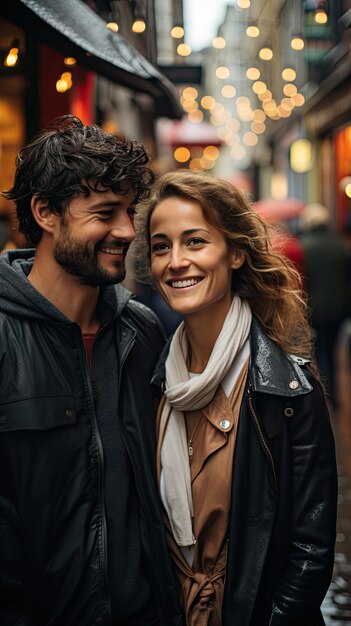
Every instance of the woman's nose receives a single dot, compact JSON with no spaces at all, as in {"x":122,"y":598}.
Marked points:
{"x":178,"y":259}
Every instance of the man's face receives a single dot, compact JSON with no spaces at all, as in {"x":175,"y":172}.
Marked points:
{"x":94,"y":236}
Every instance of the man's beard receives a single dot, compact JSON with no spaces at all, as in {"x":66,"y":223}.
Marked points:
{"x":78,"y":260}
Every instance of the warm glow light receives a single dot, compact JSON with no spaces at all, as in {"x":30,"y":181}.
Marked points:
{"x":138,"y":26}
{"x":219,"y":42}
{"x":320,"y":17}
{"x":258,"y":127}
{"x":182,"y":155}
{"x":207,"y":102}
{"x":190,"y":93}
{"x":252,"y":31}
{"x":11,"y":58}
{"x":301,"y":156}
{"x":112,"y":26}
{"x":177,"y":32}
{"x":190,"y":105}
{"x":222,"y":72}
{"x":345,"y":185}
{"x":288,"y":74}
{"x":266,"y":54}
{"x":195,"y":165}
{"x":290,"y":90}
{"x":207,"y":164}
{"x":233,"y":124}
{"x":250,"y":138}
{"x":238,"y":152}
{"x":298,"y":100}
{"x":259,"y":87}
{"x":283,"y":111}
{"x":258,"y":115}
{"x":243,"y":4}
{"x":279,"y":186}
{"x":196,"y":116}
{"x":287,"y":104}
{"x":211,"y":153}
{"x":266,"y":96}
{"x":183,"y":49}
{"x":253,"y":73}
{"x":228,"y":91}
{"x":61,"y":86}
{"x":297,"y":43}
{"x":69,"y":61}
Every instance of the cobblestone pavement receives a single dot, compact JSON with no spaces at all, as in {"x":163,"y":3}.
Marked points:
{"x":337,"y":604}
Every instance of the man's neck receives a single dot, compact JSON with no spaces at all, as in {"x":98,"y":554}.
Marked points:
{"x":76,"y":301}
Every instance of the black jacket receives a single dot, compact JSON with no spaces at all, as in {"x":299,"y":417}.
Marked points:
{"x":52,"y":514}
{"x":284,"y":493}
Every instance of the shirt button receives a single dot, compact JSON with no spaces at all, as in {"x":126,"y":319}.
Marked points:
{"x":70,"y":414}
{"x":294,"y":384}
{"x":288,"y":412}
{"x":224,"y":424}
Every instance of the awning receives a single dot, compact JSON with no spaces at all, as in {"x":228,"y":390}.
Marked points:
{"x":186,"y":133}
{"x":73,"y":28}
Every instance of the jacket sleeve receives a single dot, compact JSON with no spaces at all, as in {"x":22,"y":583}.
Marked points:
{"x":313,"y":525}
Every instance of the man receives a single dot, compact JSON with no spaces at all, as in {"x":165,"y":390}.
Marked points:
{"x":81,"y":533}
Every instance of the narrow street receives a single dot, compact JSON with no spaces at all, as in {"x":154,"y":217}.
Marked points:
{"x":337,"y":604}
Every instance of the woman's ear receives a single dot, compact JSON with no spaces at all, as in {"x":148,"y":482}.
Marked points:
{"x":42,"y":214}
{"x":237,"y":258}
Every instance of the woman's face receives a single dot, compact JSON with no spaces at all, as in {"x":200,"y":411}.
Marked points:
{"x":190,"y":260}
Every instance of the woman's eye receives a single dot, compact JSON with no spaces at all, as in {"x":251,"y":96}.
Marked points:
{"x":159,"y":248}
{"x":196,"y":241}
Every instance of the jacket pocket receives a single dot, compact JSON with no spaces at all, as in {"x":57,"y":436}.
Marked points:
{"x":38,"y":413}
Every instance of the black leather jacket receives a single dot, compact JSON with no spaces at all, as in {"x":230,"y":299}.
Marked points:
{"x":284,"y":492}
{"x":52,"y":520}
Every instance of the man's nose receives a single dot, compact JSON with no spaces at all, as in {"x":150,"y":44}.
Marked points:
{"x":123,"y":228}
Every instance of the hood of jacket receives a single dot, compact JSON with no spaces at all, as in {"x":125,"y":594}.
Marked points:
{"x":19,"y":297}
{"x":271,"y":370}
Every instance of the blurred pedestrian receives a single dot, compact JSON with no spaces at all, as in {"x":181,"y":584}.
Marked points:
{"x":246,"y":459}
{"x":81,"y":535}
{"x":327,"y":285}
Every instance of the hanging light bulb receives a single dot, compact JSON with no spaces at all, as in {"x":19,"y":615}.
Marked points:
{"x":266,"y":53}
{"x":183,"y":50}
{"x":177,"y":32}
{"x":320,"y":17}
{"x":112,"y":26}
{"x":252,"y":30}
{"x":138,"y":26}
{"x":297,"y":43}
{"x":12,"y":55}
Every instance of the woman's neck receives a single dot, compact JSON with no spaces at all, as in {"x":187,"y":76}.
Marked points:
{"x":201,"y":335}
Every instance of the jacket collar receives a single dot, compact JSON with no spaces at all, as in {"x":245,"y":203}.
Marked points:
{"x":271,"y":370}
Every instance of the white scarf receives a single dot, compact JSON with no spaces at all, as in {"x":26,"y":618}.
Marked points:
{"x":184,"y":394}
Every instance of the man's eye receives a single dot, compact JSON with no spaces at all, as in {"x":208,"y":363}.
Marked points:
{"x":105,"y":215}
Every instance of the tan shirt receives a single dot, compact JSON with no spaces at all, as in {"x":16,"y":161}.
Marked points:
{"x":213,"y":433}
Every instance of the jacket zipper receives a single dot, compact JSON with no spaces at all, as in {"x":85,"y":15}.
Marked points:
{"x":101,"y":489}
{"x":140,"y":495}
{"x":260,"y":432}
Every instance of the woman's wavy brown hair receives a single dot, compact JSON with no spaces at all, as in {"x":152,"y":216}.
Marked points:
{"x":267,"y":280}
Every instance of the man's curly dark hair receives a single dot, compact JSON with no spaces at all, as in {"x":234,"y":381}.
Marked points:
{"x":67,"y":159}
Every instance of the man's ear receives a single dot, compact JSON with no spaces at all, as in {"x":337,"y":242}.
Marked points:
{"x":42,"y":214}
{"x":237,"y":258}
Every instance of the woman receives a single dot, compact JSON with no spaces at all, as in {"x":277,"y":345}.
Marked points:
{"x":245,"y":450}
